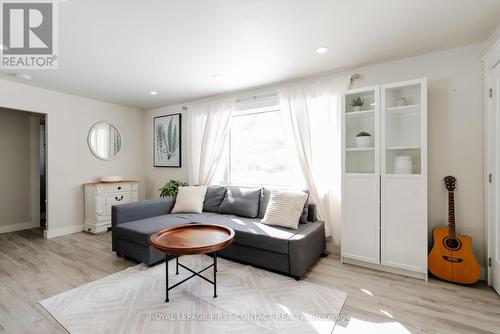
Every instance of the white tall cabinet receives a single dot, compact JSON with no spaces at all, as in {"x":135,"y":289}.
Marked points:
{"x":384,"y":178}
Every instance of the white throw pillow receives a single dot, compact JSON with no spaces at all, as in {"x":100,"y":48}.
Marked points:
{"x":284,"y":208}
{"x":190,"y":199}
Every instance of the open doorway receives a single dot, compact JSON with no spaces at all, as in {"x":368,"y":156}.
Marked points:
{"x":23,"y":171}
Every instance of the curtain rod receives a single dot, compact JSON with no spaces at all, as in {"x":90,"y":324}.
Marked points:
{"x":248,"y":98}
{"x":255,"y":97}
{"x":354,"y":76}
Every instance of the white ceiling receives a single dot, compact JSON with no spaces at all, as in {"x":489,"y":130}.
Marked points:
{"x":119,"y":50}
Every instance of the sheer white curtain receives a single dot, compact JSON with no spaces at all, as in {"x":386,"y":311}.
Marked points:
{"x":208,"y":126}
{"x":312,"y":115}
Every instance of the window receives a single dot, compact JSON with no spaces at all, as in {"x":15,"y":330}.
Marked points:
{"x":258,"y":150}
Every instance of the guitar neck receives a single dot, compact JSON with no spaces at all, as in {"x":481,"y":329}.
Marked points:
{"x":451,"y":215}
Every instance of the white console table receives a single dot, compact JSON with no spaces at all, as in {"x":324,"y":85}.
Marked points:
{"x":100,"y":197}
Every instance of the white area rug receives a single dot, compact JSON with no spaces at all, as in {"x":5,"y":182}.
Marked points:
{"x":250,"y":300}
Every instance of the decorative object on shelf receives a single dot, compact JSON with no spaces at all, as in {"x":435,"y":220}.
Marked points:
{"x":401,"y":102}
{"x":357,"y":103}
{"x":114,"y":178}
{"x":363,"y":139}
{"x":167,"y":141}
{"x":171,"y":188}
{"x":100,"y":198}
{"x":403,"y":164}
{"x":104,"y":140}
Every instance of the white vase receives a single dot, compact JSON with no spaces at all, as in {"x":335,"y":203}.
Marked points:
{"x":357,"y":108}
{"x":403,"y":165}
{"x":363,"y":142}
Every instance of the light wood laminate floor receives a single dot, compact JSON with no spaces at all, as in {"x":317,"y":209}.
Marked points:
{"x":33,"y":268}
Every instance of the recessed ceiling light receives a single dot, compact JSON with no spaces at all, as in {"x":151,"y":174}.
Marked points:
{"x":153,"y":92}
{"x":23,"y":76}
{"x":322,"y":49}
{"x":216,"y":76}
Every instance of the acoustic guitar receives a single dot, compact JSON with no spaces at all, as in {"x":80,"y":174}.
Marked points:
{"x":451,"y":257}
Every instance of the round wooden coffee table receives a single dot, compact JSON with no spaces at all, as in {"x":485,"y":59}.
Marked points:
{"x":188,"y":240}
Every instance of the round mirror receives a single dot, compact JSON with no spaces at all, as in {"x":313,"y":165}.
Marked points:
{"x":104,"y":141}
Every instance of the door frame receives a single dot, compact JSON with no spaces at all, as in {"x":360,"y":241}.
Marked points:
{"x":46,"y":155}
{"x":490,"y":60}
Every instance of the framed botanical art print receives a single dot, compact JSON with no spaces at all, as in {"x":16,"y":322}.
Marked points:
{"x":167,"y":141}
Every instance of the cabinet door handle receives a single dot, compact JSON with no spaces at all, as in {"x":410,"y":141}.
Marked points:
{"x":119,"y":188}
{"x":118,"y":199}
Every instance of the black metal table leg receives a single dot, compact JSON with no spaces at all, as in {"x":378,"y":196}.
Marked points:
{"x":194,"y":273}
{"x":166,"y":278}
{"x":215,"y":274}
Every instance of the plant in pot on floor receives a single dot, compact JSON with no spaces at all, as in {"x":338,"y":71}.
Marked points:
{"x":171,"y":188}
{"x":357,"y":103}
{"x":363,"y":139}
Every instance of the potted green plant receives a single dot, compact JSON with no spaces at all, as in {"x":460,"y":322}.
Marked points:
{"x":171,"y":188}
{"x":363,"y":139}
{"x":357,"y":103}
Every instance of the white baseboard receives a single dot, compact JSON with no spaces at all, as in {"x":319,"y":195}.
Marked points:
{"x":57,"y":232}
{"x":18,"y":227}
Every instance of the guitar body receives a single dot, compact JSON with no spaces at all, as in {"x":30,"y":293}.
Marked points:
{"x":456,"y":263}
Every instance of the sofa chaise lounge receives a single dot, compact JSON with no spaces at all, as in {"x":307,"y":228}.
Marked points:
{"x":287,"y":251}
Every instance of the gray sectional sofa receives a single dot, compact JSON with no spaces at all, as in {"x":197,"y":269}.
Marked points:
{"x":283,"y":250}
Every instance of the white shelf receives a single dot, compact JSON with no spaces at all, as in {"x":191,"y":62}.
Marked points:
{"x":402,"y":176}
{"x":360,"y":174}
{"x":360,"y":149}
{"x":398,"y":148}
{"x":362,"y":113}
{"x":411,"y":109}
{"x":409,"y":106}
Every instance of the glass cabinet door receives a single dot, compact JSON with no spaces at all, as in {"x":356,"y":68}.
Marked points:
{"x":360,"y":131}
{"x":402,"y":129}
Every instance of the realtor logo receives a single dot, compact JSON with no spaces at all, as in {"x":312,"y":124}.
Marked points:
{"x":28,"y":34}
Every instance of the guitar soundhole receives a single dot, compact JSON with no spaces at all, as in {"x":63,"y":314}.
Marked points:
{"x":452,"y":244}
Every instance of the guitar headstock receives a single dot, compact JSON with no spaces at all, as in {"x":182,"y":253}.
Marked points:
{"x":450,"y":183}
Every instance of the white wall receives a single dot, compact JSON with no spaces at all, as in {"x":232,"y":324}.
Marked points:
{"x":495,"y":36}
{"x":455,"y":127}
{"x":156,"y":177}
{"x":15,"y":168}
{"x":455,"y":130}
{"x":70,"y":162}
